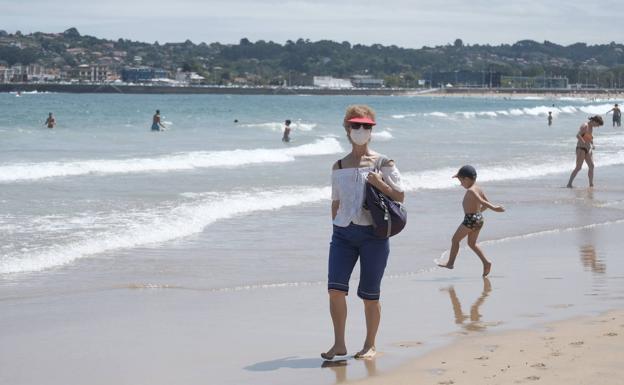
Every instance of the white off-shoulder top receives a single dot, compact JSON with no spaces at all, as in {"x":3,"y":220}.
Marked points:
{"x":348,"y":188}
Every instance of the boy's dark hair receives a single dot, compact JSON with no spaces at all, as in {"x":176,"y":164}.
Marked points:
{"x":466,"y":171}
{"x":287,"y":121}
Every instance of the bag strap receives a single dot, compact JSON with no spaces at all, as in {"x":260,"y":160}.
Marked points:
{"x":380,"y":161}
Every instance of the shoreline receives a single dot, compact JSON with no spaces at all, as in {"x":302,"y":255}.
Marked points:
{"x":572,"y":351}
{"x":223,"y":90}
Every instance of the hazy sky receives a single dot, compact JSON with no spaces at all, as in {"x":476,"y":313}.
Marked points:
{"x":400,"y":22}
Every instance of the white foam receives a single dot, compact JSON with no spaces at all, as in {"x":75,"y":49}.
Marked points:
{"x":159,"y":225}
{"x":444,"y":256}
{"x":441,"y":178}
{"x":403,"y":116}
{"x":13,"y":172}
{"x":279,"y":126}
{"x":592,"y":109}
{"x":437,"y":114}
{"x":382,"y":136}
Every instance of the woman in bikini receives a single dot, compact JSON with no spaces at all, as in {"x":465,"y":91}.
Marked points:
{"x":584,"y":149}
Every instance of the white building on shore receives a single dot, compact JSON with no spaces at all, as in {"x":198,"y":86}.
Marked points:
{"x":331,"y":82}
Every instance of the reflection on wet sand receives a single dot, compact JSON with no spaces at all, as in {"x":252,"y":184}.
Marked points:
{"x":475,"y":323}
{"x":590,"y":259}
{"x":340,"y":368}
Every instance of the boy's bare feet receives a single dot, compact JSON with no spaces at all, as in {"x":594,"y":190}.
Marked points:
{"x":366,"y":353}
{"x":486,"y":268}
{"x":446,"y":265}
{"x":333,"y":352}
{"x":569,"y":186}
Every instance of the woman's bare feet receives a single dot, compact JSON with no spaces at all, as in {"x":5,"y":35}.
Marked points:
{"x":334,"y":351}
{"x":366,"y":352}
{"x":446,"y":265}
{"x":486,"y":268}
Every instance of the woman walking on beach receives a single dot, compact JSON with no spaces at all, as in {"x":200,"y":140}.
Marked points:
{"x":585,"y":149}
{"x":353,"y":236}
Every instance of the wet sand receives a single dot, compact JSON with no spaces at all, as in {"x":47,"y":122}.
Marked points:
{"x":145,"y":332}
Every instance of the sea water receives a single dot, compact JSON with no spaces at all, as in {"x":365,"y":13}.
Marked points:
{"x":217,"y":192}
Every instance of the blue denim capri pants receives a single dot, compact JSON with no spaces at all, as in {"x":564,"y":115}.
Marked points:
{"x":347,"y":245}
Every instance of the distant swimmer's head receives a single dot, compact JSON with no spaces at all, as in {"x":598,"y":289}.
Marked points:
{"x":466,"y":174}
{"x":287,"y":122}
{"x":158,"y":112}
{"x":597,"y":120}
{"x":235,"y":120}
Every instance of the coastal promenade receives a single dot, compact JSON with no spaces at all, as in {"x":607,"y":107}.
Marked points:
{"x":156,"y":89}
{"x":149,"y":89}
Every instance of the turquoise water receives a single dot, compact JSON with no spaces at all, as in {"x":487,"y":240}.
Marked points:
{"x":102,"y":189}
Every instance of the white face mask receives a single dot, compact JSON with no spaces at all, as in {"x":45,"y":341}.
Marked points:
{"x":361,"y":136}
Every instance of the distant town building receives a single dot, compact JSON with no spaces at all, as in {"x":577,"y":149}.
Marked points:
{"x":331,"y":82}
{"x":90,"y":73}
{"x":142,"y":74}
{"x":366,"y":81}
{"x":483,"y":79}
{"x":24,"y":73}
{"x":534,"y":82}
{"x":189,"y":78}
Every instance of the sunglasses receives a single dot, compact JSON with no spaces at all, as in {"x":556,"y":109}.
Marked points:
{"x":357,"y":126}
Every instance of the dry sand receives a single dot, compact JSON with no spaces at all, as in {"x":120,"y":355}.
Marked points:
{"x":583,"y":351}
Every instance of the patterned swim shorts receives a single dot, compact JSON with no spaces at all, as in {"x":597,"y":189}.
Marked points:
{"x":473,"y":221}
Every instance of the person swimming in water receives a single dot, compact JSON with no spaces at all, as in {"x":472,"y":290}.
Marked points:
{"x":50,"y":121}
{"x":156,"y":123}
{"x":287,"y":129}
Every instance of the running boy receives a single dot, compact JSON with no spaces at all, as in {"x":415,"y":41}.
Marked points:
{"x":474,"y":203}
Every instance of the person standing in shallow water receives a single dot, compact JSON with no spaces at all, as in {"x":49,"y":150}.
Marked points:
{"x":617,"y":115}
{"x":550,"y":118}
{"x":585,"y":149}
{"x":50,"y":121}
{"x":287,"y":129}
{"x":156,"y":123}
{"x":353,"y":238}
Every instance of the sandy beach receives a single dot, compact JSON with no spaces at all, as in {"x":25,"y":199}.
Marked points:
{"x":581,"y":351}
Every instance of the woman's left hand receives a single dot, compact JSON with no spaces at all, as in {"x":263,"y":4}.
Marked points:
{"x":375,"y":179}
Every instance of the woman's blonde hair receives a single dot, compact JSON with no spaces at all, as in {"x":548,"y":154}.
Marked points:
{"x":358,"y":111}
{"x":597,"y":119}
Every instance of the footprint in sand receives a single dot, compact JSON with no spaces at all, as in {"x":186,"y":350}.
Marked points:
{"x":611,"y":334}
{"x":449,"y":382}
{"x":539,"y":365}
{"x":532,"y":378}
{"x":577,"y":343}
{"x":409,"y":344}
